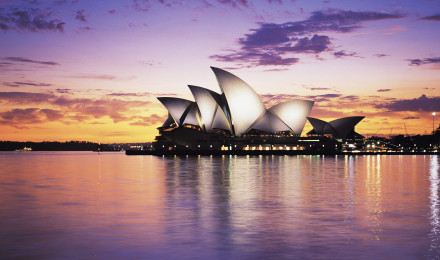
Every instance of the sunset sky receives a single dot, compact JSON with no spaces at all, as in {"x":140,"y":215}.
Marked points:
{"x":92,"y":70}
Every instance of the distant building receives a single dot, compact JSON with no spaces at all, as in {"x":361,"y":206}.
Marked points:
{"x":237,"y":119}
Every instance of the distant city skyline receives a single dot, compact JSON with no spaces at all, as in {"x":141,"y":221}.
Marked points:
{"x":89,"y":70}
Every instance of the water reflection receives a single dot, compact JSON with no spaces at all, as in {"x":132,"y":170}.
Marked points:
{"x":349,"y":188}
{"x":374,"y":195}
{"x":434,"y":198}
{"x":81,"y":205}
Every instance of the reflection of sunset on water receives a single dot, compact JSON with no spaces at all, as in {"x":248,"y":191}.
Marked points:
{"x":434,"y":178}
{"x":108,"y":205}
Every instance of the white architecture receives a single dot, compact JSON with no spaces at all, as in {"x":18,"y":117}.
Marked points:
{"x":238,"y":109}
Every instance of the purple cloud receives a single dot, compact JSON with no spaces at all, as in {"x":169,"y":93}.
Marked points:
{"x":423,"y":103}
{"x":141,"y":5}
{"x":410,"y":117}
{"x":5,"y":64}
{"x":79,"y":109}
{"x":380,"y":55}
{"x":340,"y":54}
{"x":418,"y":62}
{"x":23,"y":84}
{"x":435,"y":17}
{"x":328,"y":95}
{"x":63,"y":90}
{"x":317,"y":89}
{"x":85,"y":28}
{"x":279,"y":41}
{"x":32,"y":20}
{"x":275,"y":1}
{"x":277,"y":69}
{"x":334,"y":18}
{"x":94,"y":76}
{"x":24,"y":97}
{"x":234,"y":3}
{"x":350,"y":97}
{"x":143,"y":94}
{"x":124,"y":94}
{"x":147,"y":5}
{"x":384,"y":90}
{"x":316,"y":44}
{"x":52,"y":114}
{"x":324,"y":97}
{"x":131,"y":94}
{"x":26,"y":60}
{"x":18,"y":117}
{"x":80,"y":15}
{"x":249,"y":59}
{"x":15,"y":117}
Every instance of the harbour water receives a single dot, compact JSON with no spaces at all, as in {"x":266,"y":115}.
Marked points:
{"x":85,"y":205}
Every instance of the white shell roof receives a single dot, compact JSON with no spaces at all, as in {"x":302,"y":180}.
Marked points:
{"x":208,"y":103}
{"x":263,"y":123}
{"x":270,"y":123}
{"x":293,"y":113}
{"x":193,"y":116}
{"x":220,"y":120}
{"x":176,"y":107}
{"x":239,"y":108}
{"x":244,"y":104}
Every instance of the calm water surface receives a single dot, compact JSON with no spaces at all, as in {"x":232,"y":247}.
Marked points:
{"x":84,"y":205}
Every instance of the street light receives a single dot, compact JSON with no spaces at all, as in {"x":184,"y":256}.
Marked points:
{"x":433,"y":115}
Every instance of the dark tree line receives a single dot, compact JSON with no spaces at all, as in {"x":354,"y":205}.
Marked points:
{"x":54,"y":146}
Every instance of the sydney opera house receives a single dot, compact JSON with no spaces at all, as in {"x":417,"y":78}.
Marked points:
{"x":238,"y":120}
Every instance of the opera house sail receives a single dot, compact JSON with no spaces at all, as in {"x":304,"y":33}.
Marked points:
{"x":339,"y":128}
{"x":237,"y":119}
{"x":242,"y":102}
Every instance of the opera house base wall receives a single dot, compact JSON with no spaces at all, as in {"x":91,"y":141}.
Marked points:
{"x":274,"y":152}
{"x":183,"y":140}
{"x":232,"y":152}
{"x":192,"y":141}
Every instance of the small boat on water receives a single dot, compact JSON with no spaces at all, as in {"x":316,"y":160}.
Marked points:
{"x":24,"y":149}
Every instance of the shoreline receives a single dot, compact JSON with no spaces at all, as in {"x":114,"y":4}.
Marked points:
{"x":272,"y":152}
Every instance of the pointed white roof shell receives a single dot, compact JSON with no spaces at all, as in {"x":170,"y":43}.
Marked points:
{"x":208,"y":103}
{"x":220,"y":120}
{"x":193,"y":115}
{"x":175,"y":106}
{"x":270,"y":123}
{"x":244,"y":104}
{"x":293,"y":113}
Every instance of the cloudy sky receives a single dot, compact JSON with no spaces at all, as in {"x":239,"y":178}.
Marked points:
{"x":92,"y":70}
